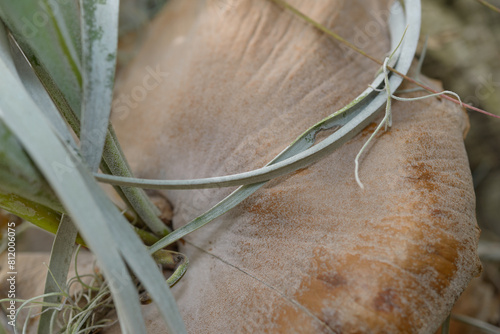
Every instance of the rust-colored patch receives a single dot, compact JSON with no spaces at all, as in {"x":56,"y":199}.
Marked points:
{"x":358,"y":304}
{"x":387,"y":301}
{"x":433,"y":257}
{"x":265,"y":208}
{"x":302,"y":171}
{"x":424,"y":175}
{"x":276,"y":203}
{"x":369,"y":129}
{"x":332,"y":279}
{"x":440,"y":214}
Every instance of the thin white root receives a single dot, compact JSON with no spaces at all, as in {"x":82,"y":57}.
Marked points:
{"x":449,"y":92}
{"x":387,"y":121}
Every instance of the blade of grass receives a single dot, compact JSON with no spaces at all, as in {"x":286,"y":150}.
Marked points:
{"x":99,"y":40}
{"x":45,"y":149}
{"x":113,"y":157}
{"x":17,"y":173}
{"x":445,"y":327}
{"x":136,"y":197}
{"x":67,"y":233}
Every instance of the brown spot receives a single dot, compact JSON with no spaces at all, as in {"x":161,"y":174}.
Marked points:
{"x":433,"y":261}
{"x":332,"y":279}
{"x":437,"y":213}
{"x":263,"y":209}
{"x":369,"y":129}
{"x":302,"y":171}
{"x":423,"y":175}
{"x":386,"y":301}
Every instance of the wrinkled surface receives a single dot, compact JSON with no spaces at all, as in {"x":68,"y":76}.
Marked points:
{"x":310,"y":252}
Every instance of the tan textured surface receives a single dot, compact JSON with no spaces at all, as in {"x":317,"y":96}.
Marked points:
{"x":310,"y":252}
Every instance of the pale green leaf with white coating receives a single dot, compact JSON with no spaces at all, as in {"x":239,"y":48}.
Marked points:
{"x":60,"y":260}
{"x":49,"y":33}
{"x":99,"y":19}
{"x":19,"y":176}
{"x":107,"y":233}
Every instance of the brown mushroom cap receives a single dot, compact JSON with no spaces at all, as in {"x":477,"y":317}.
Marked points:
{"x":311,"y":252}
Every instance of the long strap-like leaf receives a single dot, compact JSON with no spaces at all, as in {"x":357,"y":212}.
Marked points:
{"x":99,"y":21}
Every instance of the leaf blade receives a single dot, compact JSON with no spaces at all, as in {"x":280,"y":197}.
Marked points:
{"x":99,"y":39}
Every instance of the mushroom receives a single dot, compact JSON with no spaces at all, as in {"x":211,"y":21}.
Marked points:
{"x":221,"y":87}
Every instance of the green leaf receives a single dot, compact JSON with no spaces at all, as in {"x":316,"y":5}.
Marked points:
{"x":19,"y":176}
{"x":56,"y":61}
{"x":35,"y":213}
{"x":99,"y":39}
{"x":40,"y":95}
{"x":50,"y":30}
{"x":60,"y":260}
{"x":106,"y":232}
